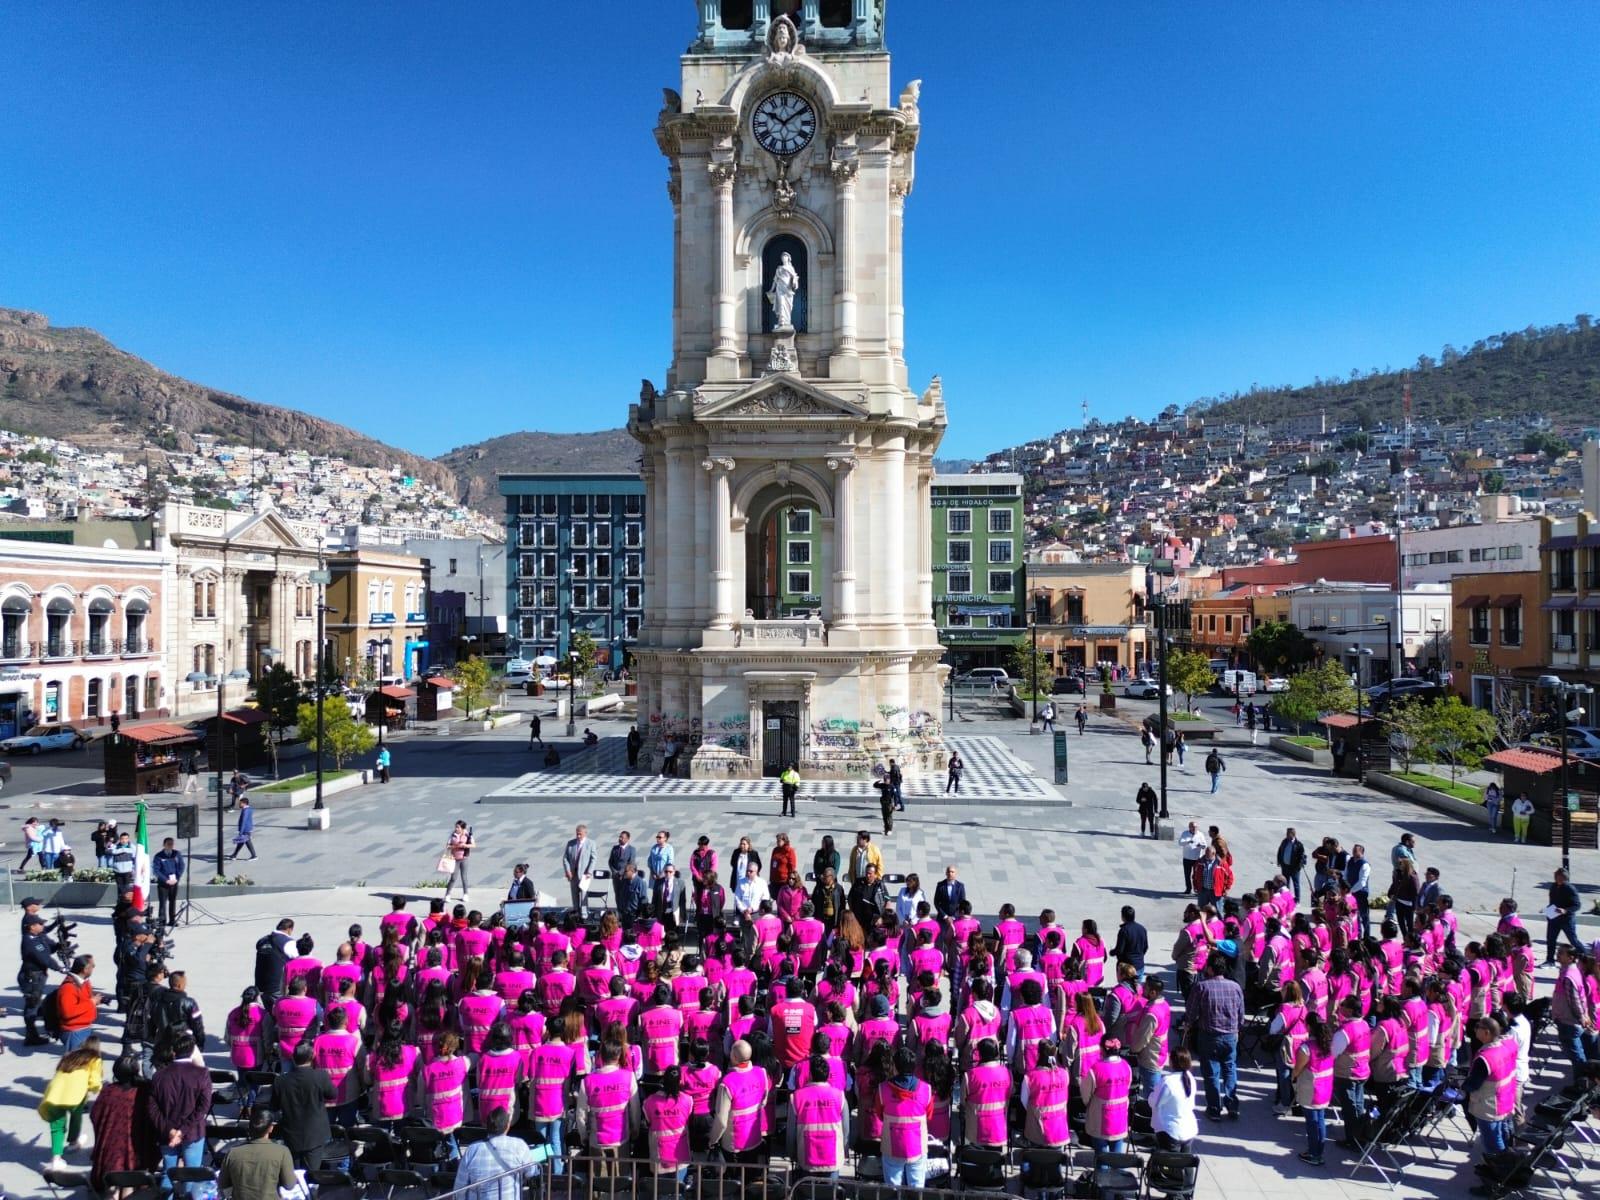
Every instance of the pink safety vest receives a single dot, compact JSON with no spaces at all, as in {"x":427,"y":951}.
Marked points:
{"x":878,"y":1029}
{"x":478,"y":1012}
{"x":1294,"y":1030}
{"x":509,"y":985}
{"x":1314,"y":1088}
{"x":1497,"y":1098}
{"x":310,"y":967}
{"x":608,"y":1092}
{"x":1392,"y":1064}
{"x":552,"y":1065}
{"x":988,"y":1088}
{"x":819,"y":1126}
{"x":388,"y":1094}
{"x":905,"y":1119}
{"x":1416,"y":1011}
{"x":686,"y":990}
{"x":1108,"y":1108}
{"x":1093,"y":953}
{"x":293,"y":1016}
{"x":1033,"y":1025}
{"x":334,"y":976}
{"x":335,"y":1052}
{"x":809,"y":937}
{"x":1356,"y":1061}
{"x":698,"y":1084}
{"x":1133,"y":1005}
{"x":553,"y":988}
{"x":660,"y":1028}
{"x":1085,"y":1046}
{"x":747,"y":1106}
{"x":934,"y":1028}
{"x":1047,"y":1101}
{"x":668,"y":1122}
{"x":615,"y":1010}
{"x":244,"y":1036}
{"x":838,"y":1039}
{"x":472,"y":943}
{"x":926,"y":958}
{"x":793,"y":1024}
{"x":1154,"y":1055}
{"x":499,"y":1072}
{"x":442,"y":1082}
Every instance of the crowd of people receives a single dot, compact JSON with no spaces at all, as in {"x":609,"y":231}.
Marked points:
{"x":753,"y":1011}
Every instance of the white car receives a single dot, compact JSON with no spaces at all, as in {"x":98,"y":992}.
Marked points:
{"x":1144,"y":689}
{"x":1276,"y":683}
{"x":1582,"y":742}
{"x":44,"y":737}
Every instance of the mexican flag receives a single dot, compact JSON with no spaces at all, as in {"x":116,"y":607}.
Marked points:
{"x":141,"y":864}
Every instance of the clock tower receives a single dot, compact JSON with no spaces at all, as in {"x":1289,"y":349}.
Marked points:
{"x":787,"y":460}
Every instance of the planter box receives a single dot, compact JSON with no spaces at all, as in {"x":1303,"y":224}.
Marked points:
{"x":1385,"y":782}
{"x":1108,"y":700}
{"x":104,"y":895}
{"x":1196,"y":731}
{"x":503,"y":719}
{"x":307,"y":794}
{"x":1311,"y":754}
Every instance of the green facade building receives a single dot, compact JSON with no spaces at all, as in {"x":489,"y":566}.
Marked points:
{"x":978,"y":584}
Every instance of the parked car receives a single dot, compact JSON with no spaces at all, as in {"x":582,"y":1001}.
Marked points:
{"x":1236,"y":682}
{"x":1064,"y":685}
{"x":1275,"y":683}
{"x":1582,"y":742}
{"x":1143,"y":689}
{"x":1408,"y":688}
{"x":44,"y":737}
{"x":988,"y":676}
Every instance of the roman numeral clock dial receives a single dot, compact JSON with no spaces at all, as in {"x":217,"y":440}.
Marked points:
{"x":784,"y":123}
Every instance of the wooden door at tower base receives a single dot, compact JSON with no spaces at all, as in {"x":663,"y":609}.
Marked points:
{"x":780,"y":735}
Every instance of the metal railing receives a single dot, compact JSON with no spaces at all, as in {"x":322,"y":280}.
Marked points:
{"x":597,"y":1177}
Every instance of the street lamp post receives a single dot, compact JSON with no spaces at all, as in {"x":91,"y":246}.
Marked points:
{"x":1438,"y":665}
{"x":1563,"y":690}
{"x":1033,"y":628}
{"x":321,"y":577}
{"x":220,"y":680}
{"x":1361,"y":652}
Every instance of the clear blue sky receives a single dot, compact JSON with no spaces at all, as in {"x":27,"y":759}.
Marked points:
{"x":438,"y":223}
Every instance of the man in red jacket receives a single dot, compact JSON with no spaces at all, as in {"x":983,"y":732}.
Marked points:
{"x":79,"y":1004}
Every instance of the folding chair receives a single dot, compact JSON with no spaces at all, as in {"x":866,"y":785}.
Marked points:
{"x":68,"y":1179}
{"x":190,"y":1175}
{"x":980,"y":1170}
{"x":597,"y":897}
{"x":1171,"y":1175}
{"x":1044,"y":1173}
{"x":1117,"y":1175}
{"x":1394,"y":1124}
{"x":410,"y":1184}
{"x":334,"y":1185}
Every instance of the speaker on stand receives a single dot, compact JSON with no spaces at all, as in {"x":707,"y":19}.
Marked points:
{"x":188,"y":829}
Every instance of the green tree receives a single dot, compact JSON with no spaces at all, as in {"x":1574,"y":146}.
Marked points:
{"x":1314,"y":691}
{"x":1279,"y":646}
{"x":1408,"y":724}
{"x":1494,"y":483}
{"x":1189,"y":672}
{"x":588,"y":652}
{"x":1021,"y":663}
{"x":278,"y":694}
{"x":1456,"y":733}
{"x":472,"y":681}
{"x":343,"y":737}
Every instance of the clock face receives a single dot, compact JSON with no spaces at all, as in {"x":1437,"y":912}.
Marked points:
{"x":784,"y":123}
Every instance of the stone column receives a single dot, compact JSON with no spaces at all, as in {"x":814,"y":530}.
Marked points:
{"x":678,"y":590}
{"x":844,"y":177}
{"x":647,"y":472}
{"x":722,"y":184}
{"x":721,"y":551}
{"x":899,"y":189}
{"x":891,"y":466}
{"x":844,"y":554}
{"x":675,"y":194}
{"x":923,"y":595}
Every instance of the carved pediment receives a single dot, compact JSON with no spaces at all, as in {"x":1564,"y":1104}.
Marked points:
{"x":781,"y":398}
{"x":268,"y":530}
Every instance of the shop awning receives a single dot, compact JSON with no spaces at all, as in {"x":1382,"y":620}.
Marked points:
{"x":246,"y":716}
{"x":1341,"y":720}
{"x":395,"y":692}
{"x":1560,"y":604}
{"x":150,"y":735}
{"x":441,"y":681}
{"x":1509,"y":601}
{"x":1589,"y":602}
{"x":1472,"y":601}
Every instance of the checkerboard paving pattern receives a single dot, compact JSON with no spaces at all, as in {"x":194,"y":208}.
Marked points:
{"x":993,"y":775}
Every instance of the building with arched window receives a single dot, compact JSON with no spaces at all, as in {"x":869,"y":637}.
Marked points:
{"x":377,"y":619}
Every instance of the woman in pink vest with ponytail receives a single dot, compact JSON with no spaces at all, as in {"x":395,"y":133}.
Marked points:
{"x":246,"y":1033}
{"x":390,"y":1070}
{"x":444,"y":1083}
{"x":1105,"y":1089}
{"x":1045,"y":1093}
{"x":666,"y":1120}
{"x":1313,"y":1085}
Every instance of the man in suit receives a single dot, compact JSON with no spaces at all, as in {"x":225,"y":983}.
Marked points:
{"x":633,"y":903}
{"x":577,"y":863}
{"x":302,"y":1098}
{"x":947,"y":897}
{"x":1291,"y":859}
{"x":670,"y":901}
{"x":621,"y":858}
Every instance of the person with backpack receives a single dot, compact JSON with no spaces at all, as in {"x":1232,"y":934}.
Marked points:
{"x":76,"y":1004}
{"x":1214,"y":768}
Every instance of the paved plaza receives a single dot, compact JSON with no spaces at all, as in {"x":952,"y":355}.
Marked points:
{"x":1084,"y":858}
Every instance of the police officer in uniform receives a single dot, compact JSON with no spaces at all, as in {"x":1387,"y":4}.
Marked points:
{"x":38,"y":960}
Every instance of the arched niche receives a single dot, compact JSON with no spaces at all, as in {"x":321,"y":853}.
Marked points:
{"x":771,"y":255}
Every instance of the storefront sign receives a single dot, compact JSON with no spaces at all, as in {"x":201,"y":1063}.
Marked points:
{"x":17,"y":676}
{"x":381,"y":619}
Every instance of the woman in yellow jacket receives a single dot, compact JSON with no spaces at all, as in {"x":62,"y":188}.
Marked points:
{"x":75,"y":1083}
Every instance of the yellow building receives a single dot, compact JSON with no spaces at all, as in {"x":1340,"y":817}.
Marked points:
{"x":1089,"y":614}
{"x":377,"y":620}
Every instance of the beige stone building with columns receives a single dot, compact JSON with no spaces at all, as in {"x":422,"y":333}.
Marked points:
{"x":789,"y":164}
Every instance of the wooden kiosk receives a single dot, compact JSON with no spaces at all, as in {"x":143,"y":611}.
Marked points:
{"x":147,"y":758}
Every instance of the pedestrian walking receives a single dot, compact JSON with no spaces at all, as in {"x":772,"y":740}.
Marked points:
{"x":383,"y":763}
{"x":1148,"y":740}
{"x":32,"y":839}
{"x":789,"y":788}
{"x":191,"y":774}
{"x":895,"y":781}
{"x":244,"y":833}
{"x":1146,"y":799}
{"x":1214,"y":768}
{"x":1047,"y":717}
{"x":953,"y":771}
{"x":237,"y":786}
{"x":635,"y":744}
{"x":1082,"y":718}
{"x":1250,"y":723}
{"x":1191,"y":844}
{"x":886,"y":803}
{"x":1180,"y":744}
{"x":1291,"y":860}
{"x":458,"y":849}
{"x":535,"y":728}
{"x":1561,"y":916}
{"x":1491,"y":804}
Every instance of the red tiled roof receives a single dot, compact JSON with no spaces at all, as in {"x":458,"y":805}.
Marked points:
{"x":246,"y":716}
{"x":1340,"y":720}
{"x":441,"y":681}
{"x":1535,"y":762}
{"x":159,"y":733}
{"x":395,"y":692}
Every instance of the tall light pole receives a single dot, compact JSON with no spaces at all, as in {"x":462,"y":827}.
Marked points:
{"x":1361,"y":653}
{"x":1438,"y":665}
{"x":321,"y":577}
{"x":1156,"y":596}
{"x":1033,"y":628}
{"x":1563,"y":690}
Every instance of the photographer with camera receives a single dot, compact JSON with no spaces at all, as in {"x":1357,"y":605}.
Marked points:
{"x":38,"y":960}
{"x":136,"y":951}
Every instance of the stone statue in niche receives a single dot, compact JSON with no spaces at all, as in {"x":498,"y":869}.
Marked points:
{"x":785,"y":286}
{"x":782,"y":40}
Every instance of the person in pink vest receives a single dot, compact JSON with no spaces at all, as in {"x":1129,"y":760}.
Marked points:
{"x":337,"y":1051}
{"x":1082,"y":1032}
{"x":1105,"y":1090}
{"x":1352,"y":1067}
{"x":793,"y":1022}
{"x":739,"y":1120}
{"x":986,"y":1095}
{"x":810,"y":938}
{"x":926,"y":957}
{"x":1090,"y":949}
{"x":660,"y":1025}
{"x":1010,"y":933}
{"x":880,"y":1027}
{"x":907,"y":1104}
{"x":930,"y":1015}
{"x":305,"y":963}
{"x":444,"y":1086}
{"x":511,"y":980}
{"x":667,"y":1114}
{"x":1313,"y":1085}
{"x":295,"y":1017}
{"x":700,"y":1078}
{"x":1390,"y":1048}
{"x":1046,"y":1091}
{"x":246,"y":1032}
{"x":608,"y":1107}
{"x":553,"y":1069}
{"x":1031,"y":1023}
{"x":1289,"y":1027}
{"x":343,"y":969}
{"x":477,"y":1011}
{"x":1018,"y":977}
{"x":500,"y":1071}
{"x":980,"y":1019}
{"x":1123,"y":1003}
{"x":355,"y":1013}
{"x":818,"y":1115}
{"x":619,"y":1008}
{"x":1491,"y":1086}
{"x":390,"y":1072}
{"x":1147,"y":1037}
{"x":689,"y":984}
{"x":403,"y":922}
{"x":556,"y":984}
